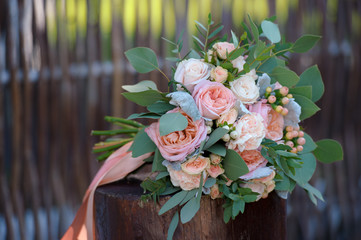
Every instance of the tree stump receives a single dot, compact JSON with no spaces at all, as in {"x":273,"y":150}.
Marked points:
{"x":120,"y":214}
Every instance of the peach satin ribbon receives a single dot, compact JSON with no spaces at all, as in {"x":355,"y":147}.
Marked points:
{"x":116,"y":167}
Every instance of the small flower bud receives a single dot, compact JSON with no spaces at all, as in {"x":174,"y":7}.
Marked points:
{"x":301,"y":141}
{"x":294,"y":133}
{"x":290,"y":143}
{"x":268,"y":90}
{"x":215,"y":159}
{"x":284,"y":90}
{"x":290,"y":95}
{"x":226,"y":127}
{"x":299,"y":148}
{"x":226,"y":138}
{"x":301,"y":134}
{"x":271,"y":99}
{"x":234,"y":135}
{"x":289,"y":135}
{"x":209,"y":123}
{"x":294,"y":150}
{"x":279,"y":109}
{"x":284,"y":111}
{"x":297,"y":128}
{"x":289,"y":128}
{"x":285,"y":100}
{"x":209,"y":130}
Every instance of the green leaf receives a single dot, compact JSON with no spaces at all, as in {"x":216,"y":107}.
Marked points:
{"x":286,"y":154}
{"x":312,"y":77}
{"x":271,"y":31}
{"x":234,"y":165}
{"x":214,"y":137}
{"x":144,"y":98}
{"x":250,"y":198}
{"x":171,"y":122}
{"x":172,"y":202}
{"x":173,"y":226}
{"x":189,"y":210}
{"x":308,"y":108}
{"x":234,"y":39}
{"x":142,"y":144}
{"x":162,"y":175}
{"x":144,"y":115}
{"x":284,"y":76}
{"x":141,"y":86}
{"x":305,"y":91}
{"x":305,"y":43}
{"x":236,"y":53}
{"x":304,"y":174}
{"x":157,"y":162}
{"x":210,"y":182}
{"x":269,"y":64}
{"x":218,"y":149}
{"x":214,"y":33}
{"x":313,"y":193}
{"x":201,"y":25}
{"x":309,"y":146}
{"x":160,"y":107}
{"x":254,"y":29}
{"x":142,"y":59}
{"x":190,"y":194}
{"x":227,"y":214}
{"x":328,"y":151}
{"x":284,"y":184}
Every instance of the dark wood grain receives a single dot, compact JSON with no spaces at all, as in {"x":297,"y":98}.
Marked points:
{"x":120,"y":214}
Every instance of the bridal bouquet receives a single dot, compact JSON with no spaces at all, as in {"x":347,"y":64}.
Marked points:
{"x":229,"y":126}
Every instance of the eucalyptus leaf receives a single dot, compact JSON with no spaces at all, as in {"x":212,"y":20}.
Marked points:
{"x":160,"y":107}
{"x":305,"y":43}
{"x":328,"y":151}
{"x":234,"y":39}
{"x":142,"y":144}
{"x":162,"y":175}
{"x":218,"y":149}
{"x":234,"y":165}
{"x":284,"y":76}
{"x":309,"y":146}
{"x":305,"y":91}
{"x":141,"y":86}
{"x":172,"y":202}
{"x":271,"y":31}
{"x":144,"y":115}
{"x":308,"y":108}
{"x":157,"y":162}
{"x":254,"y":29}
{"x":173,"y":226}
{"x":171,"y":122}
{"x":144,"y":98}
{"x":189,"y":210}
{"x":304,"y":174}
{"x":312,"y":77}
{"x":210,"y":182}
{"x":215,"y":136}
{"x":143,"y":59}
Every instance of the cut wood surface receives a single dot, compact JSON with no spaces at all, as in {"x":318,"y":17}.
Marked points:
{"x":120,"y":214}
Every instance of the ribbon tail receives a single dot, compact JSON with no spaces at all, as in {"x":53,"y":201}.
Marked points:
{"x":116,"y":167}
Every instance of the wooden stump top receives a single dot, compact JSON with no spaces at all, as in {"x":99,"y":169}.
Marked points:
{"x":120,"y":214}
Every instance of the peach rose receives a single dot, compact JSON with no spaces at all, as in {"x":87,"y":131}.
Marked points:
{"x":184,"y":180}
{"x":238,"y":63}
{"x":230,"y":117}
{"x":215,"y":193}
{"x":213,"y":99}
{"x":251,"y":131}
{"x":192,"y":71}
{"x":245,"y":89}
{"x":215,"y":170}
{"x":263,"y":186}
{"x":219,"y":74}
{"x":215,"y":159}
{"x":177,"y":145}
{"x":222,"y":48}
{"x":195,"y":166}
{"x":253,"y":159}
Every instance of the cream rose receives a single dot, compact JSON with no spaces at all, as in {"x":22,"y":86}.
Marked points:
{"x":215,"y":170}
{"x":215,"y":158}
{"x":177,"y":145}
{"x":251,"y":131}
{"x":238,"y":63}
{"x":184,"y":180}
{"x":195,"y":166}
{"x":230,"y":117}
{"x":213,"y":99}
{"x":219,"y":74}
{"x":192,"y":71}
{"x":245,"y":89}
{"x":222,"y":48}
{"x":215,"y":193}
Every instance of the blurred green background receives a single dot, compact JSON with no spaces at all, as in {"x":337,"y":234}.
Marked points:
{"x":62,"y":65}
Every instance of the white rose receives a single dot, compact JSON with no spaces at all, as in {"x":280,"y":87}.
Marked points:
{"x":251,"y":131}
{"x":222,"y":48}
{"x":192,"y":71}
{"x":238,"y":63}
{"x":219,"y":74}
{"x":245,"y":88}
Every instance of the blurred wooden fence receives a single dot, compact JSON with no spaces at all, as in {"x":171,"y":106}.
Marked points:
{"x":61,"y":70}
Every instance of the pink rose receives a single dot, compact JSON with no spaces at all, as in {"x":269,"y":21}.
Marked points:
{"x":251,"y":131}
{"x":215,"y":170}
{"x":177,"y":145}
{"x":230,"y":117}
{"x":273,"y":121}
{"x":222,"y":48}
{"x":215,"y":193}
{"x":213,"y":99}
{"x":195,"y":166}
{"x":263,"y":186}
{"x":192,"y":71}
{"x":184,"y":180}
{"x":253,"y":159}
{"x":219,"y":74}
